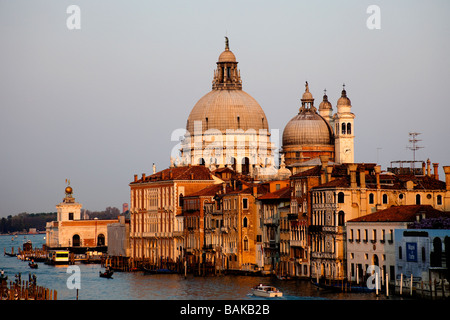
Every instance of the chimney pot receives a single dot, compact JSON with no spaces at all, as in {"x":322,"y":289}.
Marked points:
{"x":436,"y":170}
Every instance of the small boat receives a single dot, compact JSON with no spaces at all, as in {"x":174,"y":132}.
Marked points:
{"x":107,"y":274}
{"x":266,"y":291}
{"x":33,"y":265}
{"x":10,"y":254}
{"x":157,"y":271}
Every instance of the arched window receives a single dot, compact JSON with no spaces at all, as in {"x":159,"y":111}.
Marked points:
{"x":340,"y":197}
{"x":439,"y":200}
{"x":371,"y":198}
{"x":245,"y":165}
{"x":201,"y":161}
{"x":244,"y":222}
{"x":245,"y":244}
{"x":233,"y":163}
{"x":385,"y":199}
{"x":349,"y":128}
{"x":417,"y":198}
{"x":101,"y":240}
{"x":76,"y":241}
{"x":341,"y":218}
{"x":343,"y":128}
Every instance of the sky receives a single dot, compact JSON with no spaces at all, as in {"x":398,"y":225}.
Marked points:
{"x":98,"y":104}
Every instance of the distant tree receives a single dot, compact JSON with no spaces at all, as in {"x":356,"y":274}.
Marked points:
{"x":431,"y":223}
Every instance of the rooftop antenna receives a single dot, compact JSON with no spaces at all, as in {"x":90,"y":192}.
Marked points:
{"x":414,"y":147}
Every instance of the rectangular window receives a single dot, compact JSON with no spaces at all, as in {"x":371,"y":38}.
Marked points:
{"x":359,"y":235}
{"x":374,"y":235}
{"x":365,"y":235}
{"x":70,"y":215}
{"x":245,"y":203}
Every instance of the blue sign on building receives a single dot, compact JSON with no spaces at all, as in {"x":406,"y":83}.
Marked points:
{"x":411,"y":251}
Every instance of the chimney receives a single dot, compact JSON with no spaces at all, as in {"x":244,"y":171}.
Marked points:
{"x":436,"y":169}
{"x":135,"y":178}
{"x":447,"y":177}
{"x":323,"y":173}
{"x":255,"y":191}
{"x":154,"y":168}
{"x":428,"y":167}
{"x":352,"y":168}
{"x":362,"y":177}
{"x":170,"y":174}
{"x":423,"y":168}
{"x":377,"y":174}
{"x":329,"y":171}
{"x":143,"y":177}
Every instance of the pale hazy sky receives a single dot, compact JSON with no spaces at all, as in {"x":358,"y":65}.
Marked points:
{"x":99,"y":104}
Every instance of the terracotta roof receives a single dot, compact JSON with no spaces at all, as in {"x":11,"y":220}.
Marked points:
{"x":283,"y":193}
{"x":402,"y":214}
{"x":209,"y":191}
{"x":315,"y":171}
{"x":178,"y":173}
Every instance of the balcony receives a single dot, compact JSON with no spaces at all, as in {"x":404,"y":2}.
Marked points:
{"x":323,"y":255}
{"x":271,"y":221}
{"x":297,"y":243}
{"x":272,"y":245}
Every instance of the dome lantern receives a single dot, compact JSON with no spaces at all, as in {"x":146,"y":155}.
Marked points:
{"x":227,"y":75}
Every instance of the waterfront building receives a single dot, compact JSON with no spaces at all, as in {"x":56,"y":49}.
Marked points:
{"x":156,"y":220}
{"x":275,"y":229}
{"x":119,"y":237}
{"x":355,"y":190}
{"x":72,"y":232}
{"x":371,"y":239}
{"x":227,"y":126}
{"x":300,"y":211}
{"x":424,"y":254}
{"x":200,"y":236}
{"x":240,"y":226}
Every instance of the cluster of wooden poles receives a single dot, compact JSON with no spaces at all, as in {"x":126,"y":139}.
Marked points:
{"x":25,"y":291}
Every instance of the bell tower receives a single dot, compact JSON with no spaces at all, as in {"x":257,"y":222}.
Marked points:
{"x":344,"y":130}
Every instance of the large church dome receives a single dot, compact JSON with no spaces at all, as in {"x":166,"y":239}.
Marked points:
{"x":227,"y":109}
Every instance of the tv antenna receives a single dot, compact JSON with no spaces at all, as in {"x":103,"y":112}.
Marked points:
{"x":414,"y":147}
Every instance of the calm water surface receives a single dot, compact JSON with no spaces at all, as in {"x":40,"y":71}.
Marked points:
{"x":137,"y":286}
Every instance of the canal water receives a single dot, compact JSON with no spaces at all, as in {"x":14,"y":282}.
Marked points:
{"x":138,"y":286}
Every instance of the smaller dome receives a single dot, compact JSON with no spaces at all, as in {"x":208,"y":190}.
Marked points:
{"x":344,"y":100}
{"x":307,"y":96}
{"x":325,"y":104}
{"x":307,"y":128}
{"x":227,"y":56}
{"x":68,"y":190}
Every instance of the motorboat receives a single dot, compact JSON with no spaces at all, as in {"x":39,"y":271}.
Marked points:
{"x":33,"y":265}
{"x":266,"y":291}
